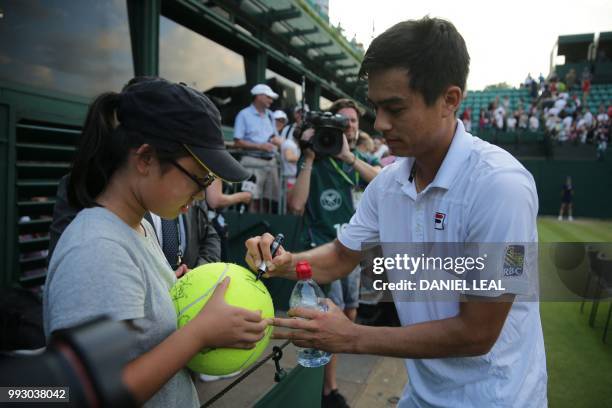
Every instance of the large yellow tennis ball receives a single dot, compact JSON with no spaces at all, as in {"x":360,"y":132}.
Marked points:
{"x":191,"y":293}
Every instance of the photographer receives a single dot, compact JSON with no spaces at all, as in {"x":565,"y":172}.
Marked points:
{"x":324,"y":188}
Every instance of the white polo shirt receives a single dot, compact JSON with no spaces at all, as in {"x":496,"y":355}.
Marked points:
{"x":486,"y":196}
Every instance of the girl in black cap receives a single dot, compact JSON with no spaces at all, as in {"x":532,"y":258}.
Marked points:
{"x":142,"y":150}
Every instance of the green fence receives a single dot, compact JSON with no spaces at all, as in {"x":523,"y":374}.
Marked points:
{"x":592,"y":182}
{"x":300,"y":389}
{"x":244,"y":226}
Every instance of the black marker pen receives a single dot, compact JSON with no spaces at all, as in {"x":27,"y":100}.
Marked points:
{"x":278,"y":241}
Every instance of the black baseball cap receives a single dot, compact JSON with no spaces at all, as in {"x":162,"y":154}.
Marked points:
{"x":168,"y":114}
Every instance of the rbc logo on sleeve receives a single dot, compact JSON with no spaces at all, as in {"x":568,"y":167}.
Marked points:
{"x":439,"y":219}
{"x":514,"y":260}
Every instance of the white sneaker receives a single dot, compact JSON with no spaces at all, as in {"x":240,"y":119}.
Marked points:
{"x":570,"y":218}
{"x":560,"y":218}
{"x":211,"y":378}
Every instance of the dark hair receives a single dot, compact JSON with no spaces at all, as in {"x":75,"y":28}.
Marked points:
{"x":103,"y":148}
{"x":139,"y":79}
{"x":430,"y":49}
{"x":342,"y":103}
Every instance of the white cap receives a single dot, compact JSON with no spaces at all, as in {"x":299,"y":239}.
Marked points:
{"x":279,"y":114}
{"x":263,"y":89}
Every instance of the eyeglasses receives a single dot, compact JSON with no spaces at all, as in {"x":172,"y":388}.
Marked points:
{"x":201,"y":182}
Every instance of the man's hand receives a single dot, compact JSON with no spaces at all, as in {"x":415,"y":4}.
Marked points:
{"x":258,"y":249}
{"x":267,"y":147}
{"x":329,"y":331}
{"x":276,"y":140}
{"x":308,"y":134}
{"x":246,"y":197}
{"x":345,"y":153}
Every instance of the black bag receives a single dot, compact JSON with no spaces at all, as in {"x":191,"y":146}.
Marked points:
{"x":21,"y":323}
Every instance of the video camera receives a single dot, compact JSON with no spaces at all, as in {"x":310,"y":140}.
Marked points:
{"x":87,"y":360}
{"x":328,"y":137}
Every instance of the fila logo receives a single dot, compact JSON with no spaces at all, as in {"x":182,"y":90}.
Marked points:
{"x":439,"y":219}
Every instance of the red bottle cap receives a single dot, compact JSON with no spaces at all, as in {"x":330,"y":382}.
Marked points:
{"x":303,"y":270}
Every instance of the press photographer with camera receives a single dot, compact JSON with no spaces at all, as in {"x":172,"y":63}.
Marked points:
{"x":329,"y":171}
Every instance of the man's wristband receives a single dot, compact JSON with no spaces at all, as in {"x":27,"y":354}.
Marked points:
{"x":306,"y":166}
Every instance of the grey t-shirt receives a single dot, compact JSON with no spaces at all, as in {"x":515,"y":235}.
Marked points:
{"x":101,"y":266}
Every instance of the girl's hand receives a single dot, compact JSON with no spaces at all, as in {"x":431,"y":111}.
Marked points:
{"x":181,"y":270}
{"x":222,"y":325}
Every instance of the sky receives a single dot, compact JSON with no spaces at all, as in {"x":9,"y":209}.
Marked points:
{"x":506,"y":39}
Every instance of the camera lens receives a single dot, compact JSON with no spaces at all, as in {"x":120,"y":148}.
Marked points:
{"x":326,"y":140}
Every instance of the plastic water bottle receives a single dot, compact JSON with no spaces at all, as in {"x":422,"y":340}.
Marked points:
{"x":308,"y":294}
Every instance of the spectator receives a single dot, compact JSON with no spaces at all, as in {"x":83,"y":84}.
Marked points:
{"x":588,"y":118}
{"x":483,"y":120}
{"x":255,"y":133}
{"x":534,"y":123}
{"x":586,"y":84}
{"x":570,"y":79}
{"x":551,"y":125}
{"x":602,"y":131}
{"x":567,"y":128}
{"x":581,"y":128}
{"x":280,"y":120}
{"x":200,"y":243}
{"x":506,"y":103}
{"x":552,"y":86}
{"x":381,"y":148}
{"x":601,"y":139}
{"x":523,"y":121}
{"x":511,"y":124}
{"x":602,"y":115}
{"x":560,"y":103}
{"x":290,"y":154}
{"x":466,"y":118}
{"x":365,"y":145}
{"x":533,"y":90}
{"x":154,"y":147}
{"x":541,"y":79}
{"x":499,"y":118}
{"x":576,"y":102}
{"x":298,"y":114}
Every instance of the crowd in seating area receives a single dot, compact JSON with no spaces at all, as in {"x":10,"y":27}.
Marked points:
{"x":567,"y":110}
